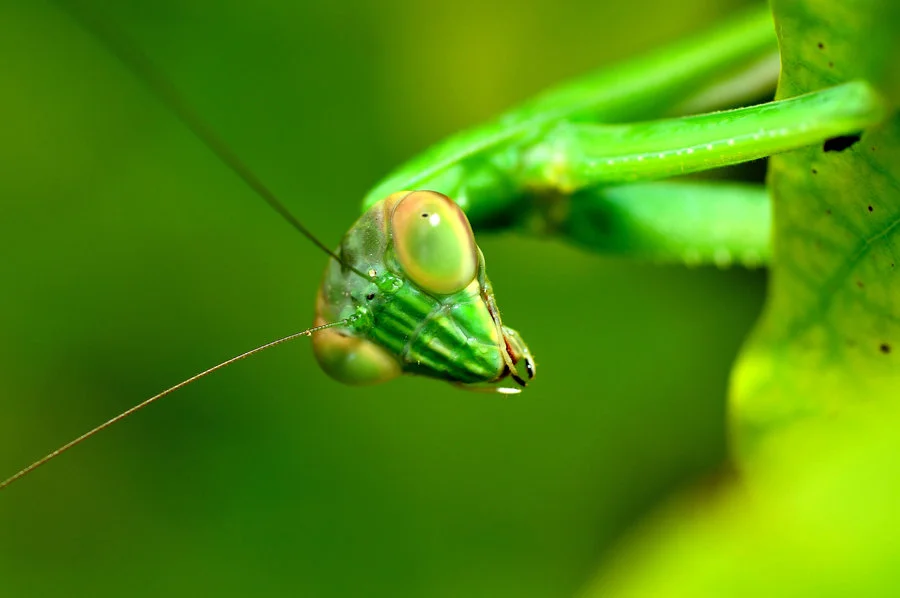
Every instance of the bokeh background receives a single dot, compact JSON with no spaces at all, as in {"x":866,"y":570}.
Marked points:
{"x":130,"y":259}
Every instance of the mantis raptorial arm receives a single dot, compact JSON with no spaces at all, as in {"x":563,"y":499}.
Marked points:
{"x":665,"y":222}
{"x":577,"y":155}
{"x":690,"y":222}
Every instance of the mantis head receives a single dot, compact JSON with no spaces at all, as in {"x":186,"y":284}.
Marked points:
{"x":425,"y":305}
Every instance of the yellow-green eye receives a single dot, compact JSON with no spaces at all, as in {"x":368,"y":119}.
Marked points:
{"x":433,"y":242}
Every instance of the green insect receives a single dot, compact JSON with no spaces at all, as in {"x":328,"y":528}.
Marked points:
{"x":556,"y":164}
{"x":407,"y":290}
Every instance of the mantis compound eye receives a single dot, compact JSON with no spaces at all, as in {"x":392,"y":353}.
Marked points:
{"x":433,"y":242}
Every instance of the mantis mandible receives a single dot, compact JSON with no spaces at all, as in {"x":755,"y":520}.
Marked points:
{"x":581,"y":161}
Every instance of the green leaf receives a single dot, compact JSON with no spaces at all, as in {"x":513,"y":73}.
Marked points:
{"x":801,"y":527}
{"x":830,"y":334}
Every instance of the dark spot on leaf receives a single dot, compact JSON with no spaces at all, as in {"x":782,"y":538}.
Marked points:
{"x":821,"y":46}
{"x":370,"y":296}
{"x":828,"y":211}
{"x":885,"y":348}
{"x":839,"y":144}
{"x":871,"y":208}
{"x":814,"y":171}
{"x":830,"y":64}
{"x":424,"y":215}
{"x":860,"y":284}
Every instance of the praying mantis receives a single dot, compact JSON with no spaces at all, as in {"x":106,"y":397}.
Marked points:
{"x":516,"y":159}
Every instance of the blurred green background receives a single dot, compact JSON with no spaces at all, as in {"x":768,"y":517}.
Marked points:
{"x":132,"y":259}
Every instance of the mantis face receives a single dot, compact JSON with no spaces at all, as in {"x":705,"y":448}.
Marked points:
{"x":427,"y":306}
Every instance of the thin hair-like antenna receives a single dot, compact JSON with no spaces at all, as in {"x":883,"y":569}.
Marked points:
{"x":50,"y":456}
{"x":140,"y":65}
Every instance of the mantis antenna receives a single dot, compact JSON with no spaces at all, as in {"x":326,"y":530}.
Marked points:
{"x":140,"y":65}
{"x":50,"y":456}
